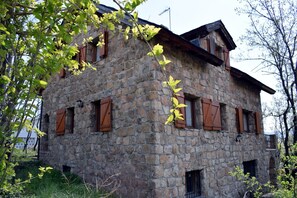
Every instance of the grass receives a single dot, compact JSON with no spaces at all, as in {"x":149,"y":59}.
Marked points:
{"x":54,"y":184}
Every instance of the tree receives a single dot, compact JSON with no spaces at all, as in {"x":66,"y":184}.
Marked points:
{"x":36,"y":41}
{"x":273,"y":32}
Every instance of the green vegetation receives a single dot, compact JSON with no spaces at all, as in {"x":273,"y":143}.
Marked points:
{"x":54,"y":183}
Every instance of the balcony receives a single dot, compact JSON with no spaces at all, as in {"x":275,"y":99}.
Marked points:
{"x":271,"y":141}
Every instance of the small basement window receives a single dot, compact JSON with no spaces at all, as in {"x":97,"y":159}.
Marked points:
{"x":250,"y":167}
{"x":193,"y":183}
{"x":66,"y":169}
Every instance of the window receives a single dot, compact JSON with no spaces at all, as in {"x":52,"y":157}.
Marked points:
{"x":250,"y":167}
{"x":103,"y":114}
{"x":196,"y":42}
{"x":193,"y":183}
{"x":245,"y":121}
{"x":211,"y":115}
{"x":189,"y":113}
{"x":60,"y":121}
{"x":245,"y":117}
{"x":95,"y":52}
{"x":70,"y":119}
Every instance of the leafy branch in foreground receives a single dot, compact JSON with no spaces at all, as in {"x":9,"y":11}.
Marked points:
{"x":147,"y":32}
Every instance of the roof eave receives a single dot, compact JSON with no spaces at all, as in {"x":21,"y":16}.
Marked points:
{"x":241,"y":75}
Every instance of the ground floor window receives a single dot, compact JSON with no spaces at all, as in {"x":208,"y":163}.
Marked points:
{"x":250,"y":167}
{"x":193,"y":184}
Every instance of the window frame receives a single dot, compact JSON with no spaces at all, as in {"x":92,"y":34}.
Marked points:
{"x":193,"y":183}
{"x":246,"y":121}
{"x":192,"y":111}
{"x":250,"y":165}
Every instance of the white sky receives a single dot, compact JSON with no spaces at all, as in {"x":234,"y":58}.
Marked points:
{"x":190,"y":14}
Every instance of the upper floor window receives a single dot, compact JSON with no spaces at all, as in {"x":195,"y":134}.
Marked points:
{"x":103,"y":121}
{"x":248,"y":121}
{"x":190,"y":112}
{"x":211,"y":115}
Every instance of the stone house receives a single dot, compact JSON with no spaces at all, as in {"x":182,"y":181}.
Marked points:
{"x":108,"y":124}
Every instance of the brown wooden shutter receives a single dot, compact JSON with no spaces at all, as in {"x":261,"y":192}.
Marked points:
{"x":105,"y":114}
{"x":62,"y":73}
{"x":258,"y":122}
{"x":82,"y":54}
{"x":207,"y":111}
{"x":104,"y":48}
{"x":227,"y":59}
{"x":60,"y":121}
{"x":216,"y":116}
{"x":181,"y":123}
{"x":239,"y":116}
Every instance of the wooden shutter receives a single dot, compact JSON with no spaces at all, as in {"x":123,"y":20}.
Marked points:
{"x":258,"y":122}
{"x":207,"y":111}
{"x":216,"y":116}
{"x":239,"y":117}
{"x":181,"y":123}
{"x":82,"y":54}
{"x":105,"y":114}
{"x":62,"y":73}
{"x":60,"y":121}
{"x":104,"y":48}
{"x":227,"y":59}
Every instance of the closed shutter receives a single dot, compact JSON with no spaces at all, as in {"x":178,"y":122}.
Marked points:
{"x":104,"y":48}
{"x":82,"y":54}
{"x":227,"y":59}
{"x":258,"y":122}
{"x":239,"y":117}
{"x":60,"y":121}
{"x":207,"y":114}
{"x":216,"y":116}
{"x":62,"y":73}
{"x":105,"y":114}
{"x":181,"y":123}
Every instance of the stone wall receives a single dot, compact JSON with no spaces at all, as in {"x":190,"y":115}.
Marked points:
{"x":141,"y":154}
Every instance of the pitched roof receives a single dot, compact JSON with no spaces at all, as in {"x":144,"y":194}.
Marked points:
{"x":247,"y":78}
{"x":183,"y":42}
{"x":204,"y":30}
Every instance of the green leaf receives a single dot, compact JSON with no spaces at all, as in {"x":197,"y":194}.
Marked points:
{"x":5,"y":78}
{"x":42,"y":83}
{"x":175,"y":101}
{"x":169,"y":119}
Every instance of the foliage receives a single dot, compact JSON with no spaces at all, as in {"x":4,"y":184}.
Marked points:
{"x":36,"y":41}
{"x":286,"y":187}
{"x":272,"y":31}
{"x":253,"y":186}
{"x":54,"y":183}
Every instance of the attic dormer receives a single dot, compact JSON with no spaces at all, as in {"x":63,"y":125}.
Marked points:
{"x":214,"y":38}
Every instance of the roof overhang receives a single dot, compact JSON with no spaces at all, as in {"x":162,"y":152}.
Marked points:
{"x":173,"y":39}
{"x":247,"y":78}
{"x":204,"y":30}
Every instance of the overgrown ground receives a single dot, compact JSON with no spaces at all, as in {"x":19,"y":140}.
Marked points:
{"x":54,"y":183}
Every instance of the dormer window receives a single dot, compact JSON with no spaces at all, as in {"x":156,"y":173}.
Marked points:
{"x":196,"y":42}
